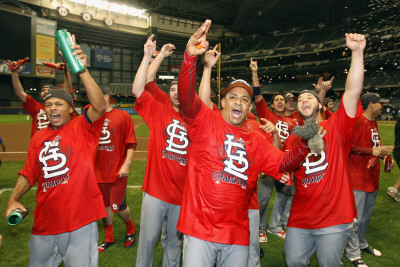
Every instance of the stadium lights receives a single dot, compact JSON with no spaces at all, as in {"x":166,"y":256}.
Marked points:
{"x":113,"y":7}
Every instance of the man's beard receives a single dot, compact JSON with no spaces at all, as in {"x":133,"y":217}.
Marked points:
{"x":313,"y":113}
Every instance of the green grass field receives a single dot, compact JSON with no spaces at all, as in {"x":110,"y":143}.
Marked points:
{"x":383,"y":233}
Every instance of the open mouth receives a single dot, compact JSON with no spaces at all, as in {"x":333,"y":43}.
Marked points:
{"x":55,"y":118}
{"x":236,"y":113}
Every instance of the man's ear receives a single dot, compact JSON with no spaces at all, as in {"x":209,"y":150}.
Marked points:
{"x":223,"y":102}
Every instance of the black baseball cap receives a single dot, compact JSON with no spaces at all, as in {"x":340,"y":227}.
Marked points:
{"x":59,"y":94}
{"x":311,"y":92}
{"x":371,"y":97}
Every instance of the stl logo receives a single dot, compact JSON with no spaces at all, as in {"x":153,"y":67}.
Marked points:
{"x":315,"y":162}
{"x":105,"y":133}
{"x":177,"y":141}
{"x":283,"y":130}
{"x":236,"y":164}
{"x":53,"y":161}
{"x":42,"y":119}
{"x":375,"y":138}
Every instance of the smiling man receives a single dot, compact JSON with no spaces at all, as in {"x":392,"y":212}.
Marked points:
{"x":224,"y":161}
{"x":61,"y":160}
{"x":323,"y":206}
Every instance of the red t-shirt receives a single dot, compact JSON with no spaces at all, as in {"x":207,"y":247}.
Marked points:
{"x":284,"y":125}
{"x":323,"y":195}
{"x":366,"y":135}
{"x":36,"y":110}
{"x":118,"y":131}
{"x":297,"y":117}
{"x":224,"y":165}
{"x":167,"y":156}
{"x":62,"y":162}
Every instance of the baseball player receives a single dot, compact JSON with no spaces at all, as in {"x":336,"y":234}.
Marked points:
{"x":393,"y":191}
{"x":271,"y":135}
{"x":35,"y":108}
{"x":115,"y":153}
{"x":290,"y":106}
{"x":61,"y":160}
{"x":225,"y":158}
{"x":283,"y":192}
{"x":166,"y":167}
{"x":366,"y":145}
{"x":323,"y":207}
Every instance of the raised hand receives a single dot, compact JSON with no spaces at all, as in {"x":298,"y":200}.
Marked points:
{"x":253,"y":65}
{"x":198,"y":43}
{"x":321,"y":85}
{"x":167,"y":50}
{"x":355,"y":42}
{"x":149,"y":46}
{"x":211,"y":57}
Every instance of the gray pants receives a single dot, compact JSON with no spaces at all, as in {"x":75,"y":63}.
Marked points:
{"x":265,"y":189}
{"x":254,"y":248}
{"x":329,"y":243}
{"x":154,"y":213}
{"x":77,"y":248}
{"x":201,"y":253}
{"x":283,"y":204}
{"x":365,"y":203}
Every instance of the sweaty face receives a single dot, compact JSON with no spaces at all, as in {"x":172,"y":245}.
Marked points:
{"x":44,"y":91}
{"x":290,"y":104}
{"x":308,"y":105}
{"x":58,"y":111}
{"x":279,"y":103}
{"x":236,"y":105}
{"x":173,"y":96}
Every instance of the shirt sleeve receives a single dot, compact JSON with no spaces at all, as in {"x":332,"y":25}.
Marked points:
{"x":31,"y":168}
{"x":263,"y":110}
{"x":188,"y":98}
{"x":31,"y":105}
{"x":157,"y":93}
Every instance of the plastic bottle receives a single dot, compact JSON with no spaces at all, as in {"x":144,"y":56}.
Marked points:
{"x":52,"y":65}
{"x":16,"y":217}
{"x":19,"y":64}
{"x":388,"y":162}
{"x":372,"y":162}
{"x":64,"y":42}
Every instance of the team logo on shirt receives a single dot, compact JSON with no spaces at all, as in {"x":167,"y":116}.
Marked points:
{"x":177,"y":140}
{"x":236,"y":163}
{"x":283,"y":130}
{"x":105,"y":137}
{"x":375,"y":138}
{"x":42,"y":120}
{"x":54,"y":168}
{"x":315,"y":166}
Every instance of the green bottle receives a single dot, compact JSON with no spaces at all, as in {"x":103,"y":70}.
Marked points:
{"x":16,"y":217}
{"x":64,"y":42}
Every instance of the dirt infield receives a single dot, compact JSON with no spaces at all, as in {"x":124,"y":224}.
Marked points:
{"x":16,"y":138}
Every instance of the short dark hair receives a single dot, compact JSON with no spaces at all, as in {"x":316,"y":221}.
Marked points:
{"x":276,"y":94}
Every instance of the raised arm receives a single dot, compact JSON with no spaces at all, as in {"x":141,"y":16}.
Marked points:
{"x":17,"y":86}
{"x":165,"y":52}
{"x":210,"y":59}
{"x":141,"y":74}
{"x":255,"y":81}
{"x":188,"y":98}
{"x":67,"y":79}
{"x":96,"y":98}
{"x":354,"y":82}
{"x":21,"y":188}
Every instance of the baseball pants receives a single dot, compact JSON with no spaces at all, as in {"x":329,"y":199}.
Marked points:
{"x":76,"y":248}
{"x":365,"y":203}
{"x":283,"y":199}
{"x":154,"y":212}
{"x":200,"y":253}
{"x":265,"y":190}
{"x":254,"y":248}
{"x":329,"y":243}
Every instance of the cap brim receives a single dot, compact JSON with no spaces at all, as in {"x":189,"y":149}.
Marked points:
{"x":234,"y":85}
{"x":384,"y":101}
